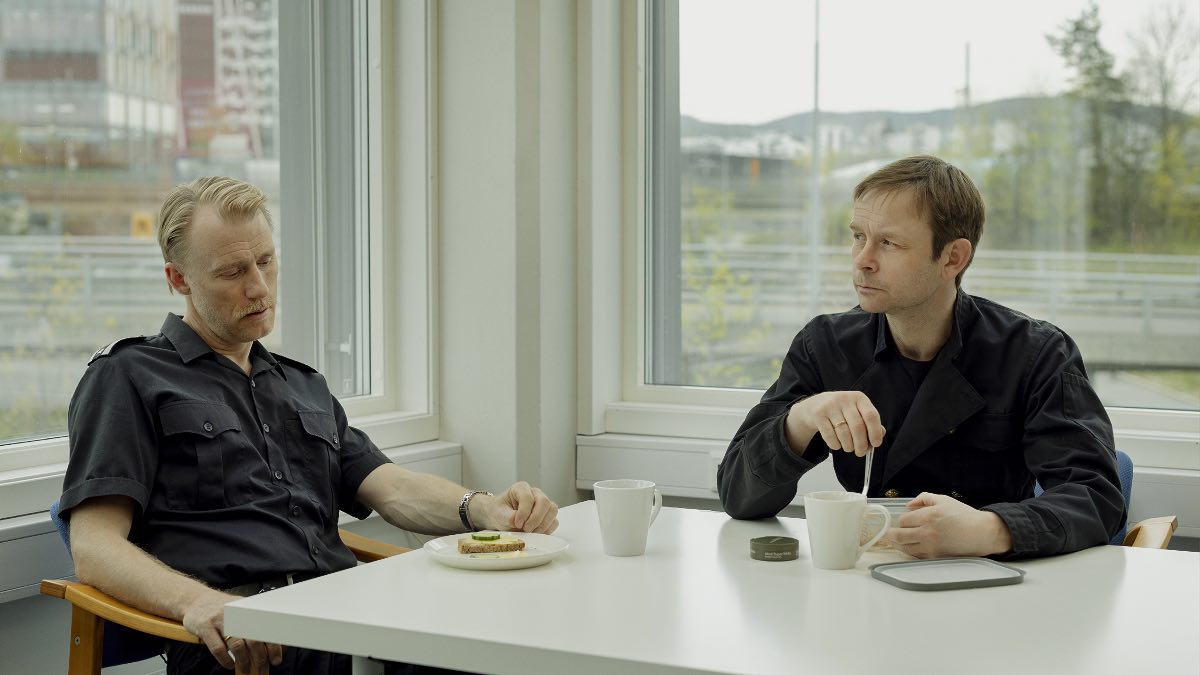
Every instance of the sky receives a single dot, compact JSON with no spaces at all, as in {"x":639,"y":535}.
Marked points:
{"x":751,"y":61}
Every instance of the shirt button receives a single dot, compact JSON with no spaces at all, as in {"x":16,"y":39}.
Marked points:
{"x":278,"y":474}
{"x":891,"y":493}
{"x":335,"y":440}
{"x":295,"y":510}
{"x":208,"y":426}
{"x":252,"y":384}
{"x":314,"y":550}
{"x":266,"y":428}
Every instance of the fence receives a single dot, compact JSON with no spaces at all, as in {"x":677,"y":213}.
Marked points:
{"x":1125,"y":310}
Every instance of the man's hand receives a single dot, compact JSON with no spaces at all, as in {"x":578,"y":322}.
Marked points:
{"x":846,"y":420}
{"x":937,"y":526}
{"x":520,"y":508}
{"x":204,"y":617}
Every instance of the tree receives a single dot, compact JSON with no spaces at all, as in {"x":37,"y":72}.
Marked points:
{"x":1165,"y":71}
{"x":1095,"y":85}
{"x":1165,"y":75}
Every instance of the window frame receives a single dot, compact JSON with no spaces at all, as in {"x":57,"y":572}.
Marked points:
{"x":401,"y":68}
{"x":1153,"y":437}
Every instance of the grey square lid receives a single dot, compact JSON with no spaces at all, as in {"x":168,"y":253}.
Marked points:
{"x":947,"y":574}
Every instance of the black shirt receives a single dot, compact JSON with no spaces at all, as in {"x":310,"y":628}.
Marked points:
{"x":1005,"y":403}
{"x":236,"y":478}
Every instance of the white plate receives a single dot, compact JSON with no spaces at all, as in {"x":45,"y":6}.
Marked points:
{"x":539,"y":550}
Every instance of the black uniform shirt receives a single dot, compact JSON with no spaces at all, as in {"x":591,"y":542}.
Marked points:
{"x":237,"y":478}
{"x":1004,"y":403}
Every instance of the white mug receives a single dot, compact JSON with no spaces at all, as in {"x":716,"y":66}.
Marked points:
{"x":626,"y":508}
{"x":835,"y":520}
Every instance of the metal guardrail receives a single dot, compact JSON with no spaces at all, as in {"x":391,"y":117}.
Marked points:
{"x":1125,"y":310}
{"x":1124,"y":306}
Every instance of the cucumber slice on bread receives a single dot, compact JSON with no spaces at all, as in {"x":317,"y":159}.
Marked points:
{"x":500,"y":544}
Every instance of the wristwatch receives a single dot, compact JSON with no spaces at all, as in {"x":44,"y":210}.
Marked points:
{"x":462,"y":508}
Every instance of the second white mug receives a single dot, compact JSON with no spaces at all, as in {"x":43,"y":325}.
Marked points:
{"x":626,"y":508}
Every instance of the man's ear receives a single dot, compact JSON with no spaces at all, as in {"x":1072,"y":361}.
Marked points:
{"x":176,"y":280}
{"x":955,"y":257}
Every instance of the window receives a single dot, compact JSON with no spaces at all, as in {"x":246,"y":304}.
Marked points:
{"x":1079,"y":123}
{"x":97,"y":123}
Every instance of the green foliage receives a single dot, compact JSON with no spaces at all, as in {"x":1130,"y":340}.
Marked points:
{"x":718,"y":313}
{"x":1142,"y":170}
{"x":1078,"y":43}
{"x":10,"y":145}
{"x":51,"y":300}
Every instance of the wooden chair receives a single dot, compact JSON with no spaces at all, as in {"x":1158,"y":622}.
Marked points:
{"x":1152,"y":532}
{"x":92,"y":608}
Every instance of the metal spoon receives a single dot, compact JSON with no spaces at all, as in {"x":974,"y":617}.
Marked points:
{"x":867,"y":473}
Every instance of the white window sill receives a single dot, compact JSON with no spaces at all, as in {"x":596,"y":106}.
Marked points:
{"x":687,"y":467}
{"x":1153,"y":438}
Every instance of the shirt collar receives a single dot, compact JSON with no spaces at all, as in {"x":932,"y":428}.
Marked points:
{"x":263,"y":360}
{"x":187,"y":343}
{"x":191,"y":346}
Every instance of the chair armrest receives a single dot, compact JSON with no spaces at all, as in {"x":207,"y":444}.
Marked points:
{"x":1152,"y":532}
{"x":109,"y":608}
{"x":367,"y":549}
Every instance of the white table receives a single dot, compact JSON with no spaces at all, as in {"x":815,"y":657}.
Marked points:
{"x":697,"y":603}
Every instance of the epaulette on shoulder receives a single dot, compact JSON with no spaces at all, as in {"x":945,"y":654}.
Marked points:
{"x":112,"y":346}
{"x":299,"y":365}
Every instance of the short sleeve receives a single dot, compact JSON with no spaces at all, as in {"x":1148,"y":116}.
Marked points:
{"x":358,"y":457}
{"x":111,"y":438}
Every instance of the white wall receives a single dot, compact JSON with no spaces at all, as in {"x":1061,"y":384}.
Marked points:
{"x":33,"y":639}
{"x":507,"y":243}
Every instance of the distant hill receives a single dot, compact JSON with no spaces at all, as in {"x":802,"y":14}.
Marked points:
{"x":800,"y":124}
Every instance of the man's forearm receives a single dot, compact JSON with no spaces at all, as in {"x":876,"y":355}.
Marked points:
{"x":129,"y":574}
{"x":419,"y":502}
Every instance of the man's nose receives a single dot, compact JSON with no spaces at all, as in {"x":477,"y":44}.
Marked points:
{"x":256,"y":284}
{"x":864,"y":258}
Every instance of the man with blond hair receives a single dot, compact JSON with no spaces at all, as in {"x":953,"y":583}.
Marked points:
{"x":966,"y":403}
{"x":204,"y":468}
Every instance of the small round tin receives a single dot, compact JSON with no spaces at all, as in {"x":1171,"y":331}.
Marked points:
{"x":774,"y":549}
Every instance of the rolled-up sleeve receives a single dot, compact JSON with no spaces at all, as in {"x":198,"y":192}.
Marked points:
{"x":757,"y":478}
{"x":1069,"y":449}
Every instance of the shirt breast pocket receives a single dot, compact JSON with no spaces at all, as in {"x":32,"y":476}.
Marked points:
{"x":313,"y":454}
{"x":192,"y":467}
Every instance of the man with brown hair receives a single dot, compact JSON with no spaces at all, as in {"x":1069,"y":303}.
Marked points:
{"x":204,"y":467}
{"x":967,"y":403}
